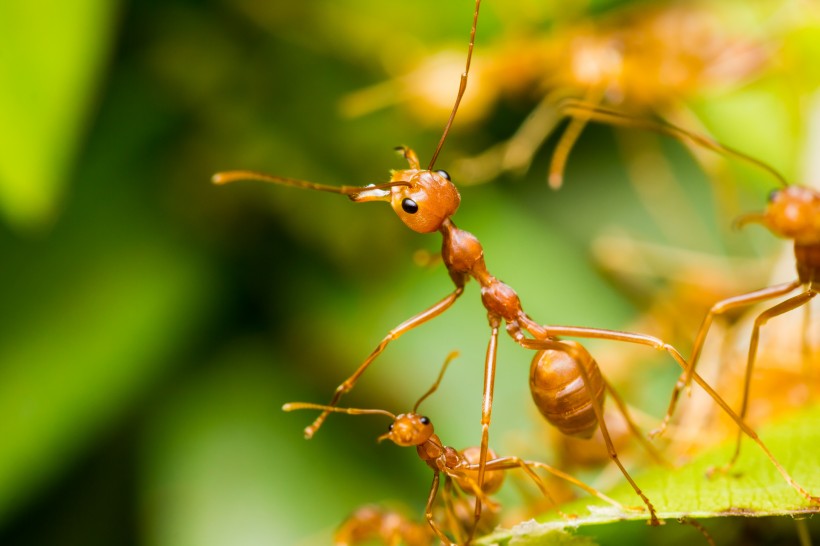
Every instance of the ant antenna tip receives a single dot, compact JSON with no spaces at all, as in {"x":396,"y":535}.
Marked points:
{"x":556,"y":180}
{"x":219,"y":179}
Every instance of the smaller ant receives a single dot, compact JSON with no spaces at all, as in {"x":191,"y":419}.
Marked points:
{"x":792,"y":212}
{"x":462,"y":467}
{"x":369,"y":523}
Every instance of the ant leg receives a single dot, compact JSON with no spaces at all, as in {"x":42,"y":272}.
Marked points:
{"x":559,"y":158}
{"x":779,"y":309}
{"x":486,"y":410}
{"x":542,"y":332}
{"x":753,"y":435}
{"x":639,"y":338}
{"x":396,"y":332}
{"x":580,"y":356}
{"x":685,"y":379}
{"x":575,"y":481}
{"x":428,"y":511}
{"x":692,"y":522}
{"x":447,"y":496}
{"x":599,"y":412}
{"x":633,"y":427}
{"x":726,"y":305}
{"x":577,"y":122}
{"x":507,"y":463}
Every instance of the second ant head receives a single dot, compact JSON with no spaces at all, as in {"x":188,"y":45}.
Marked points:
{"x":409,"y":429}
{"x":425,"y":202}
{"x":793,"y":212}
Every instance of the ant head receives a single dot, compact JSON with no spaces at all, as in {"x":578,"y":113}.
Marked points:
{"x":409,"y":429}
{"x":793,"y":212}
{"x":424,"y":202}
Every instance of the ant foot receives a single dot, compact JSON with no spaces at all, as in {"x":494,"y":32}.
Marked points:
{"x":660,"y":430}
{"x":724,"y":469}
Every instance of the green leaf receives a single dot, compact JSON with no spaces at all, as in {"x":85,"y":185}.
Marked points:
{"x":754,"y":488}
{"x":50,"y":61}
{"x":79,"y":351}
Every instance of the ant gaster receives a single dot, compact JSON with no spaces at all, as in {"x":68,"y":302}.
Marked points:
{"x":463,"y":467}
{"x":425,"y":200}
{"x":792,"y":212}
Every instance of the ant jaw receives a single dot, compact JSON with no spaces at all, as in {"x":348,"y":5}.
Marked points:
{"x":375,"y":194}
{"x":751,"y":218}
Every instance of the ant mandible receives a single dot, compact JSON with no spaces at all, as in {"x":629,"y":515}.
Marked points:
{"x":792,"y":212}
{"x":425,"y":200}
{"x":462,"y":467}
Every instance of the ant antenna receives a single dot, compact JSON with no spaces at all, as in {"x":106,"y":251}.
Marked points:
{"x":433,"y":389}
{"x":352,"y":191}
{"x":462,"y":86}
{"x":596,"y":113}
{"x":291,"y":406}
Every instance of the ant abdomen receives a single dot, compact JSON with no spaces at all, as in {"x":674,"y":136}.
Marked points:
{"x":493,"y":479}
{"x":559,"y":390}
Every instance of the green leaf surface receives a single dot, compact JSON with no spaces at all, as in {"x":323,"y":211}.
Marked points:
{"x":753,"y":488}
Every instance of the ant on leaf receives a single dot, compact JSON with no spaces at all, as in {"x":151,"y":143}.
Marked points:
{"x":462,"y":467}
{"x":425,"y":200}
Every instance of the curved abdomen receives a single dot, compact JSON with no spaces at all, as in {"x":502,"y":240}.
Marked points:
{"x":558,"y":389}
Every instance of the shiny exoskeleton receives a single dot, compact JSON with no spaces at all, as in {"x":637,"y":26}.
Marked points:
{"x":793,"y":212}
{"x":460,"y":467}
{"x":425,"y":200}
{"x":560,"y":393}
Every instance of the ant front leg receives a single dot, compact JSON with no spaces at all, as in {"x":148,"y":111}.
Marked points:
{"x":395,"y":333}
{"x":487,"y":408}
{"x":719,"y":308}
{"x":779,"y":309}
{"x":428,"y":511}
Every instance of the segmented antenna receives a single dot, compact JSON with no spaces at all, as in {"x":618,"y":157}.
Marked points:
{"x":462,"y":86}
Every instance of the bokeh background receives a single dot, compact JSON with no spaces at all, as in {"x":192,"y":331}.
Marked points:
{"x":153,"y":324}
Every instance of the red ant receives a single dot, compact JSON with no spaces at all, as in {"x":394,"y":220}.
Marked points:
{"x":425,"y":200}
{"x":372,"y":522}
{"x":793,"y":212}
{"x":462,"y":467}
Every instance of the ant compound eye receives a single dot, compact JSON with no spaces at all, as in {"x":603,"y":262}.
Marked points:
{"x":773,"y":195}
{"x":424,"y":421}
{"x":443,"y":174}
{"x":390,"y":428}
{"x":409,"y":206}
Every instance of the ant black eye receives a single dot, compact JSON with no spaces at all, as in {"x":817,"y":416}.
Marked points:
{"x":390,"y":427}
{"x":409,"y":206}
{"x":443,"y":174}
{"x":773,"y":195}
{"x":424,"y":421}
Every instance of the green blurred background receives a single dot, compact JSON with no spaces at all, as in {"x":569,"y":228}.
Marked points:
{"x":154,"y":324}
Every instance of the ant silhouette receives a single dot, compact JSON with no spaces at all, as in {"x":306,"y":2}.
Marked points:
{"x":792,"y":212}
{"x":425,"y":200}
{"x":462,"y":467}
